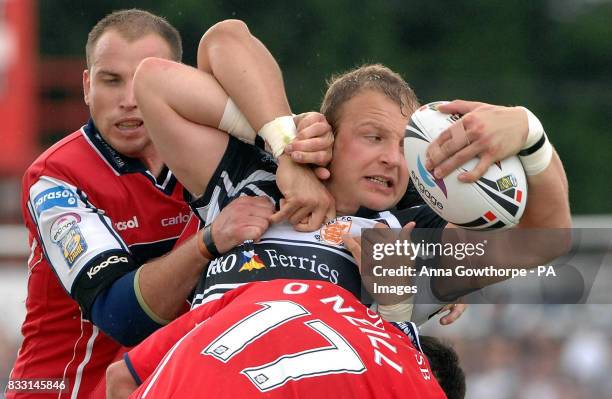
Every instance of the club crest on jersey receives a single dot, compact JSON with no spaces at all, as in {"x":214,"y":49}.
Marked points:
{"x":332,"y":232}
{"x":55,"y":196}
{"x":66,"y":234}
{"x":250,"y":261}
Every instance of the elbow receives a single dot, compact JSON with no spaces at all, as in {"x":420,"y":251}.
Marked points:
{"x":219,"y":37}
{"x":119,"y":381}
{"x":113,"y":373}
{"x":118,"y":313}
{"x":229,"y":29}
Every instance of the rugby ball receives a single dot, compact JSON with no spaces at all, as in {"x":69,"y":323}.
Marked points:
{"x":495,"y":201}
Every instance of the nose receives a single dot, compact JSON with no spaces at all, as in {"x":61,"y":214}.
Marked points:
{"x":392,"y":155}
{"x":128,"y":101}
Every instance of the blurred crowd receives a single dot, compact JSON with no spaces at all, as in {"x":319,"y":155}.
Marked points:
{"x":533,"y":351}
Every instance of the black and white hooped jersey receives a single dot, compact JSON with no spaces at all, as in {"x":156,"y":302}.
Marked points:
{"x":282,"y":252}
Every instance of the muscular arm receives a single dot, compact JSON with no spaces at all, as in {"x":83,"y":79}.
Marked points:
{"x":495,"y":133}
{"x":166,"y":282}
{"x":548,"y":201}
{"x":177,"y":273}
{"x":246,"y":70}
{"x":183,"y":107}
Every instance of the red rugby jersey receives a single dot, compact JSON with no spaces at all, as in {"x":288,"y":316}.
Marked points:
{"x":281,"y":339}
{"x":88,"y":210}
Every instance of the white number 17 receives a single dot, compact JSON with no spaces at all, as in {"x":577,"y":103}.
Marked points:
{"x":338,"y":357}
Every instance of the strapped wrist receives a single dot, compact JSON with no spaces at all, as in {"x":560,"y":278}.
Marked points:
{"x":278,"y":133}
{"x":235,"y":123}
{"x":206,"y":244}
{"x":536,"y":153}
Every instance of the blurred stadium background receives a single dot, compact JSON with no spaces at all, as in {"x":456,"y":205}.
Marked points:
{"x":553,"y":56}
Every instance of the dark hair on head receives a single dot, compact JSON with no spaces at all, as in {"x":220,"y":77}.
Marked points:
{"x":341,"y":88}
{"x":134,"y":24}
{"x":444,"y":364}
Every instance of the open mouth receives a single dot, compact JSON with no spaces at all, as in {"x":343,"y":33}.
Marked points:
{"x":382,"y":181}
{"x":129,"y":125}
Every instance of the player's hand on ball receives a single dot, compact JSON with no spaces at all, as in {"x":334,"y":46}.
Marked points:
{"x":313,"y":143}
{"x":491,"y":132}
{"x":245,"y":218}
{"x":307,"y":204}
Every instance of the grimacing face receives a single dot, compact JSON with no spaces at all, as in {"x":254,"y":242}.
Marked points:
{"x":109,"y":93}
{"x":368,"y":167}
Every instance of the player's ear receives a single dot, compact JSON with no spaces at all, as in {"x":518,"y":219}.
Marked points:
{"x":86,"y":87}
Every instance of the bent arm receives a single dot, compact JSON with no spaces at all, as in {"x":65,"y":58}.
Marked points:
{"x":543,"y":233}
{"x":183,"y":108}
{"x":119,"y":381}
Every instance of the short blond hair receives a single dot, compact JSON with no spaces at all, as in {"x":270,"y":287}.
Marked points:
{"x":133,"y":24}
{"x":341,"y":88}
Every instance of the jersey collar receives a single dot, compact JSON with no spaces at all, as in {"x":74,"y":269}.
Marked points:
{"x":120,"y":163}
{"x":367,"y":213}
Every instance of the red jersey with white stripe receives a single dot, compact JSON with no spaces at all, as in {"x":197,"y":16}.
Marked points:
{"x":93,"y":215}
{"x":281,"y":339}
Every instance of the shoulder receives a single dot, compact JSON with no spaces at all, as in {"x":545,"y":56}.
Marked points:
{"x":71,"y":155}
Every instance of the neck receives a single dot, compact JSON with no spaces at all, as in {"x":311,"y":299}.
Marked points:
{"x":344,"y":206}
{"x":152,"y":161}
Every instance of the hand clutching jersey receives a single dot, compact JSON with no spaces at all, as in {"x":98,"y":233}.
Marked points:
{"x":284,"y":339}
{"x":283,"y":252}
{"x":93,"y":216}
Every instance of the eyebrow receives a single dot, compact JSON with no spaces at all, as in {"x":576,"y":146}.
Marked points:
{"x":108,"y":73}
{"x":375,"y":125}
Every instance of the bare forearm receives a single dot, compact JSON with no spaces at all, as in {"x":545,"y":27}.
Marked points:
{"x":547,"y":203}
{"x":166,"y":282}
{"x":246,"y":70}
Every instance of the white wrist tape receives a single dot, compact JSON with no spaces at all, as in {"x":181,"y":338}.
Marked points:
{"x":234,"y":123}
{"x":537,"y":152}
{"x":399,"y":312}
{"x":278,"y":133}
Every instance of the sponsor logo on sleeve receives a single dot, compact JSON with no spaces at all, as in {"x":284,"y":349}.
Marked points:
{"x":66,"y":234}
{"x":56,"y":196}
{"x":111,"y":260}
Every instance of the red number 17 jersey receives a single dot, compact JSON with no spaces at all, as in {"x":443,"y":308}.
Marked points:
{"x":282,"y":339}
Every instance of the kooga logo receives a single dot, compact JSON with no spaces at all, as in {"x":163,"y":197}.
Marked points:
{"x":110,"y":261}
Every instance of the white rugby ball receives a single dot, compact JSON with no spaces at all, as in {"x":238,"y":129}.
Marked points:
{"x":495,"y":201}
